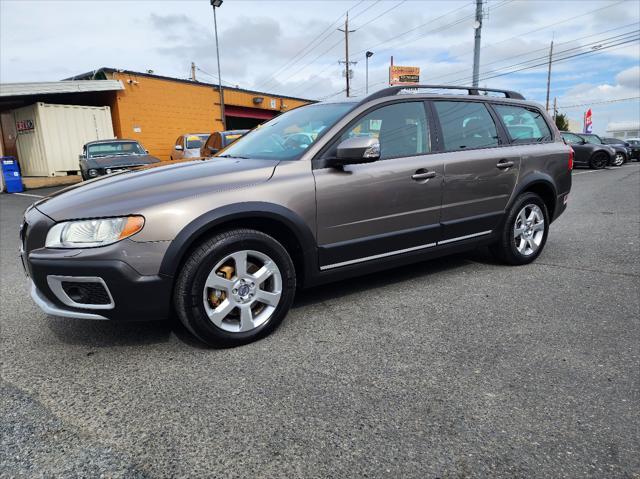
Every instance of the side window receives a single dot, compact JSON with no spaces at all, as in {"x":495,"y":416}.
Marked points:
{"x":524,"y":124}
{"x":401,"y":128}
{"x":466,"y":125}
{"x":572,"y":139}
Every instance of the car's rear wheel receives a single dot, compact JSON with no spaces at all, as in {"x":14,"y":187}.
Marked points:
{"x":235,"y":287}
{"x":619,"y":159}
{"x":525,"y":230}
{"x":598,"y":161}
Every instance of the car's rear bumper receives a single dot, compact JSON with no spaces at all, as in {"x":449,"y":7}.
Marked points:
{"x":135,"y":297}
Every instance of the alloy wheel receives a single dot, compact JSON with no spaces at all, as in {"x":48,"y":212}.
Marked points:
{"x":619,"y":159}
{"x":242,"y":291}
{"x":528,"y":229}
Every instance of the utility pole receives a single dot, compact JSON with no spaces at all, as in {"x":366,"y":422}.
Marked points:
{"x":555,"y":108}
{"x":216,"y":4}
{"x":193,"y":71}
{"x":549,"y":74}
{"x":367,"y":56}
{"x":476,"y":45}
{"x":347,"y":63}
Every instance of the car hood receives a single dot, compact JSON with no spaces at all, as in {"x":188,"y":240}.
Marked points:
{"x":130,"y":192}
{"x":121,"y":160}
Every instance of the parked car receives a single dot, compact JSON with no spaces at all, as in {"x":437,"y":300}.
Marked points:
{"x":620,"y":153}
{"x":593,"y":155}
{"x":634,"y":148}
{"x":104,"y":157}
{"x":219,"y":140}
{"x":226,"y":243}
{"x":188,"y":146}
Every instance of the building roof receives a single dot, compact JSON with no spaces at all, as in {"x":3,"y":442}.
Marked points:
{"x":58,"y":87}
{"x":100,"y":73}
{"x":623,"y":125}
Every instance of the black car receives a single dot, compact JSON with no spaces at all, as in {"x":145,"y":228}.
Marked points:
{"x":593,"y":155}
{"x":103,"y":157}
{"x":620,"y":153}
{"x":633,"y":148}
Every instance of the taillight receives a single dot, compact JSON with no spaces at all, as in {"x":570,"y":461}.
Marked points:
{"x":571,"y":154}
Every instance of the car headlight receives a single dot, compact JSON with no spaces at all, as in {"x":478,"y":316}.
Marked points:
{"x":92,"y":233}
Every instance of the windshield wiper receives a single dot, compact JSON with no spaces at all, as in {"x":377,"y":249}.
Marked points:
{"x":234,"y":156}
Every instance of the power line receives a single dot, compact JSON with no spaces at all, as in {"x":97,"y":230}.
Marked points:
{"x":297,"y":57}
{"x":534,"y":51}
{"x":382,"y":14}
{"x":599,"y":102}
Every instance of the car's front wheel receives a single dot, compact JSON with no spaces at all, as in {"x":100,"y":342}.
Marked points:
{"x":525,"y":230}
{"x":235,"y":287}
{"x":599,"y":161}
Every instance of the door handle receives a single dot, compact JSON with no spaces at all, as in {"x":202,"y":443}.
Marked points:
{"x":421,"y":175}
{"x":503,"y":164}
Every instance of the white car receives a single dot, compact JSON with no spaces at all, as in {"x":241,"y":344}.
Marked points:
{"x":188,"y":146}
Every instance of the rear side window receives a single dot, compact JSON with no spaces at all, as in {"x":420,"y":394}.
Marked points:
{"x":572,"y":139}
{"x":466,"y":125}
{"x":401,"y":129}
{"x":525,"y":125}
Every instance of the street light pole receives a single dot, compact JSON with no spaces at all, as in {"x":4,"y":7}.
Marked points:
{"x":367,"y":55}
{"x":216,"y":4}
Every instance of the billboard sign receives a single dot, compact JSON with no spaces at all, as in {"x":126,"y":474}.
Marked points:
{"x":399,"y":75}
{"x":588,"y":122}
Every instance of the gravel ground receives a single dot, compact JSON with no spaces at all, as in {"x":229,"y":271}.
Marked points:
{"x":450,"y":368}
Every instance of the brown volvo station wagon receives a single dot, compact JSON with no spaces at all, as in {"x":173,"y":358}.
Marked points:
{"x":320,"y":193}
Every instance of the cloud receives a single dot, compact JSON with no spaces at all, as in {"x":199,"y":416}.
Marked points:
{"x":170,"y":21}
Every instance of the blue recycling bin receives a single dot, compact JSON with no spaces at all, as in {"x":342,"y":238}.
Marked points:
{"x":11,"y":174}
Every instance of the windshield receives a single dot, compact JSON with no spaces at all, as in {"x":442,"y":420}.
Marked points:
{"x":196,"y":141}
{"x":115,"y":148}
{"x":290,"y":134}
{"x":595,"y":139}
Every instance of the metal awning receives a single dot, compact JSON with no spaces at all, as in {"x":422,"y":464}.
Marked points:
{"x":58,"y":87}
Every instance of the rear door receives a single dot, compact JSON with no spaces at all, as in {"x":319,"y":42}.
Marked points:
{"x":388,"y":207}
{"x":480,"y":168}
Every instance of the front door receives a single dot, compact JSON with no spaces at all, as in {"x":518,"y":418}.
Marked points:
{"x":388,"y":207}
{"x":480,"y":170}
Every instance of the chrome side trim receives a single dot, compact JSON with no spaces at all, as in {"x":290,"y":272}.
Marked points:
{"x":376,"y":256}
{"x":400,"y":251}
{"x":55,"y":283}
{"x":49,"y":308}
{"x":460,"y":238}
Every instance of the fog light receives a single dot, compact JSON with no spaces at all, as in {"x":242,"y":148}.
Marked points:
{"x":108,"y":170}
{"x":93,"y":172}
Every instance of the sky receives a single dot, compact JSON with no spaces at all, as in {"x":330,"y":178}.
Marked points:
{"x":293,"y":47}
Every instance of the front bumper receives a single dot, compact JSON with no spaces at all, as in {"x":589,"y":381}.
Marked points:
{"x":135,"y":297}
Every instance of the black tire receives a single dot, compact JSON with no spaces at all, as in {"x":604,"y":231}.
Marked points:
{"x":189,"y":288}
{"x":598,"y":161}
{"x":505,"y":248}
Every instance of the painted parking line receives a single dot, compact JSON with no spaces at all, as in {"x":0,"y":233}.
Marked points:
{"x":28,"y":194}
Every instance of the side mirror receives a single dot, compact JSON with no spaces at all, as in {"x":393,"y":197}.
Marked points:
{"x":146,"y":151}
{"x":178,"y":148}
{"x":583,"y":142}
{"x":356,"y":150}
{"x":81,"y":157}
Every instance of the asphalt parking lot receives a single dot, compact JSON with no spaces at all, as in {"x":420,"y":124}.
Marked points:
{"x":458,"y":367}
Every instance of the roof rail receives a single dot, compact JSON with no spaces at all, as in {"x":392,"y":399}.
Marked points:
{"x":471,"y":90}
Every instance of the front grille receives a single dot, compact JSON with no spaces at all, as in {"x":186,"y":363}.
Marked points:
{"x":86,"y":292}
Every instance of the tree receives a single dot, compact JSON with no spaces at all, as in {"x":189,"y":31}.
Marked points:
{"x":561,"y":122}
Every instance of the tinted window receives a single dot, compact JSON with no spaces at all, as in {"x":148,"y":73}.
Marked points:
{"x":401,"y":129}
{"x":466,"y":125}
{"x":594,"y":139}
{"x":524,"y":124}
{"x":572,"y":139}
